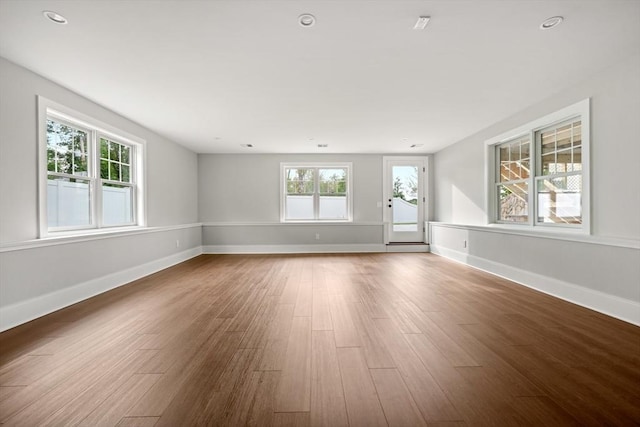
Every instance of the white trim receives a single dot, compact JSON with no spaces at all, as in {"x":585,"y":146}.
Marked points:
{"x":25,"y":311}
{"x":87,"y":236}
{"x":611,"y":305}
{"x":292,"y":249}
{"x":85,"y":120}
{"x":573,"y":110}
{"x":564,"y":234}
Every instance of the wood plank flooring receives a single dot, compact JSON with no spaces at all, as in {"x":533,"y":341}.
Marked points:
{"x":322,"y":340}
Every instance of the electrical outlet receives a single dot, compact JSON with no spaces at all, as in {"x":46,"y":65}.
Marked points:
{"x":317,"y":236}
{"x":464,"y":243}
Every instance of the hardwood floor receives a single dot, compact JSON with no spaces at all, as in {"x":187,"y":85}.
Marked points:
{"x":328,"y":340}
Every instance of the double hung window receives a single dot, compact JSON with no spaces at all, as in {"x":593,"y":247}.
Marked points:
{"x":90,"y":176}
{"x":538,"y":175}
{"x":316,"y":192}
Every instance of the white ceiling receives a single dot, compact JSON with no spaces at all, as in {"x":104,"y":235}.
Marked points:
{"x":212,"y":75}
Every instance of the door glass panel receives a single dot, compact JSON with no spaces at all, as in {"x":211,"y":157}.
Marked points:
{"x":405,"y":198}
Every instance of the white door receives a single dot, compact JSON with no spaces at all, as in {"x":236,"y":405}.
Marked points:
{"x":405,"y":199}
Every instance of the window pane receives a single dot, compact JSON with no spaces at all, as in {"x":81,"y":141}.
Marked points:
{"x":514,"y":152}
{"x":114,"y":151}
{"x":67,"y":149}
{"x":549,"y":164}
{"x":505,"y":171}
{"x":333,"y":207}
{"x":125,"y":154}
{"x":560,"y":200}
{"x":514,"y":160}
{"x":114,"y":171}
{"x":68,"y":202}
{"x":104,"y":149}
{"x":548,"y":141}
{"x":299,"y":207}
{"x":405,"y":183}
{"x":513,"y":202}
{"x":577,"y":133}
{"x":563,"y":137}
{"x":117,"y":206}
{"x":525,"y":168}
{"x":576,"y":165}
{"x":405,"y":215}
{"x":300,"y":181}
{"x":124,"y":169}
{"x":504,"y":153}
{"x":333,"y":181}
{"x":115,"y":161}
{"x":104,"y":169}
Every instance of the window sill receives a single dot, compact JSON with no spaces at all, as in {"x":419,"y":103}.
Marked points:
{"x":571,"y":235}
{"x":541,"y":229}
{"x":63,"y":234}
{"x":67,"y":237}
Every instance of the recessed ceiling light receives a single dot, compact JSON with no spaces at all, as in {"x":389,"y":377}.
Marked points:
{"x":323,"y":145}
{"x":246,"y":145}
{"x":554,"y":21}
{"x":416,"y":145}
{"x":306,"y":20}
{"x":422,"y":22}
{"x":54,"y":17}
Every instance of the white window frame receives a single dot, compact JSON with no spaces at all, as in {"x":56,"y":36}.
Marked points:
{"x":579,"y":110}
{"x":95,"y":130}
{"x":316,"y":205}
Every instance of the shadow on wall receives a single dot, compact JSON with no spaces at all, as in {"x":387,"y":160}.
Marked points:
{"x":467,"y":209}
{"x":460,"y":183}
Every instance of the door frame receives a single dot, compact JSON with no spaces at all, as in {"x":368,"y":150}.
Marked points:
{"x":423,"y":196}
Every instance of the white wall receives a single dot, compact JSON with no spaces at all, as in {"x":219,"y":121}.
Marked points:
{"x":36,"y":279}
{"x":239,"y":201}
{"x":608,"y":262}
{"x":171,"y":168}
{"x":239,"y":205}
{"x":615,"y":155}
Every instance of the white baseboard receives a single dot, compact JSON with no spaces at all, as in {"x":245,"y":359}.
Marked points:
{"x":611,"y":305}
{"x":25,"y":311}
{"x":292,"y":249}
